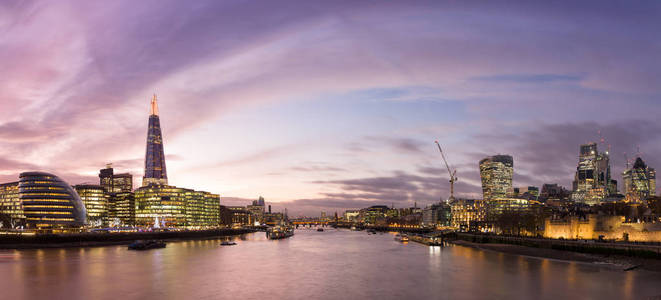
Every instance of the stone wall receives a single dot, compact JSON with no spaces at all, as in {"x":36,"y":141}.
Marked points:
{"x":611,"y":227}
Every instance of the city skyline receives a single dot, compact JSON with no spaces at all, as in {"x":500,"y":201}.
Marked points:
{"x":242,"y":118}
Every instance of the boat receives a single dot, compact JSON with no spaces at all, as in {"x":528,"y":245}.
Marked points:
{"x":279,"y":232}
{"x":401,"y":238}
{"x":372,"y":231}
{"x":146,"y":245}
{"x":227,"y":243}
{"x":320,"y":229}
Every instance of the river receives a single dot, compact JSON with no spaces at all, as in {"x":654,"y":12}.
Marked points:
{"x":334,"y":264}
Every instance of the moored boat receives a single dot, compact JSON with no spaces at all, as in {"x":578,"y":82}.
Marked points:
{"x":279,"y":232}
{"x":146,"y":245}
{"x":401,"y":238}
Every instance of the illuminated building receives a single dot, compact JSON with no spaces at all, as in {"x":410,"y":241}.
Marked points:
{"x":273,"y":219}
{"x":351,"y":215}
{"x":10,"y":203}
{"x":530,"y":190}
{"x":256,"y":213}
{"x":176,"y":207}
{"x":239,"y":215}
{"x":468,"y":214}
{"x":500,"y":205}
{"x":155,"y":171}
{"x":374,"y":214}
{"x":95,"y":200}
{"x":496,"y":174}
{"x":592,"y":181}
{"x":639,"y":181}
{"x":122,"y":208}
{"x":115,"y":183}
{"x":49,"y":202}
{"x":437,"y":214}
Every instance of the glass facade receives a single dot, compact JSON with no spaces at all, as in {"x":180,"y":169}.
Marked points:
{"x":115,"y":183}
{"x":122,"y":209}
{"x":639,"y":181}
{"x":49,"y":202}
{"x":176,"y":207}
{"x":96,"y":203}
{"x":468,"y":214}
{"x":10,"y":203}
{"x":592,"y":181}
{"x":496,"y":174}
{"x":155,"y":171}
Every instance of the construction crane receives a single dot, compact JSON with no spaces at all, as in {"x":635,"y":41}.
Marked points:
{"x":453,"y":173}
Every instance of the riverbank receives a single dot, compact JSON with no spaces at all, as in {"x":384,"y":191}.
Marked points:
{"x":619,"y":262}
{"x":109,"y":239}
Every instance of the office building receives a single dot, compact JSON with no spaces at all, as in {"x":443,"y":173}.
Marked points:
{"x":437,"y":215}
{"x":175,"y":207}
{"x":96,"y":203}
{"x":10,"y":205}
{"x":115,"y":183}
{"x":239,"y":216}
{"x":122,"y":209}
{"x":496,"y":174}
{"x":155,"y":171}
{"x":639,"y":181}
{"x":468,"y":214}
{"x":592,"y":181}
{"x":49,"y":202}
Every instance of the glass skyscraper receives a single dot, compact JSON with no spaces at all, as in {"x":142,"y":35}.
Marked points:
{"x":155,"y":171}
{"x":592,"y":181}
{"x":496,"y":174}
{"x":639,"y":181}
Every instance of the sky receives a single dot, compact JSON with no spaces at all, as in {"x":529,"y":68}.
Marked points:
{"x":328,"y":105}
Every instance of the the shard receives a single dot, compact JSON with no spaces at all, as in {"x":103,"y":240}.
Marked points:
{"x":155,"y":172}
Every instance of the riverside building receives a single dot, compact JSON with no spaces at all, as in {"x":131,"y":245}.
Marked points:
{"x":10,"y":204}
{"x":96,"y":203}
{"x":121,"y":210}
{"x":176,"y":207}
{"x":49,"y":202}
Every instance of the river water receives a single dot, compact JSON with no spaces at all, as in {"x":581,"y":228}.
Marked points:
{"x":334,"y":264}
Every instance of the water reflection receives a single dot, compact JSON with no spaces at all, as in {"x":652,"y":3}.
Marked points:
{"x":312,"y":265}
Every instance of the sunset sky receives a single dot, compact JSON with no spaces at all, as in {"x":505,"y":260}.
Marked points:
{"x":329,"y":105}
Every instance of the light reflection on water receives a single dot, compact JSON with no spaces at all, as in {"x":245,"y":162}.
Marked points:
{"x":311,"y":265}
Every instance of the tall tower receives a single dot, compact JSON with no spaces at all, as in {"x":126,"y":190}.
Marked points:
{"x":639,"y":181}
{"x":592,"y":181}
{"x":155,"y":172}
{"x":496,"y":174}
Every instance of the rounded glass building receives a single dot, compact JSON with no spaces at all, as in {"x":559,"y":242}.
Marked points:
{"x":49,"y":202}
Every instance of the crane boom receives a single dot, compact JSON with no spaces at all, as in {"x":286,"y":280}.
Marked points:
{"x":453,"y":174}
{"x":444,"y":160}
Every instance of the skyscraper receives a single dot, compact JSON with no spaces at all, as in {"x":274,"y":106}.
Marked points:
{"x":639,"y":181}
{"x":155,"y":172}
{"x":496,"y":174}
{"x":592,"y":181}
{"x":115,"y":183}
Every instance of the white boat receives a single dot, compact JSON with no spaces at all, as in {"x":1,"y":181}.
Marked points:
{"x":401,"y":238}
